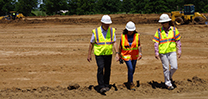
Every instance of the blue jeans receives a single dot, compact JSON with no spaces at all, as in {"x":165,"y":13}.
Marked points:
{"x":131,"y":64}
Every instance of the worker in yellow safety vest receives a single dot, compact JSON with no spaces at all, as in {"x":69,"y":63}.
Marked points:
{"x":130,"y":50}
{"x":166,"y":39}
{"x":103,"y":41}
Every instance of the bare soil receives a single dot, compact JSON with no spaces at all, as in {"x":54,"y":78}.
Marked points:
{"x":46,"y":57}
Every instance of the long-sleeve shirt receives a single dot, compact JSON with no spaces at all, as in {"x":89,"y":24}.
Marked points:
{"x":178,"y":43}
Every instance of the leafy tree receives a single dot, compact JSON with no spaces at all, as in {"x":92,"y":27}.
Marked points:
{"x":126,"y":6}
{"x":53,"y":6}
{"x":107,"y":6}
{"x":26,"y":6}
{"x":6,"y":6}
{"x":139,"y":6}
{"x":85,"y":7}
{"x":159,"y":6}
{"x":72,"y":4}
{"x":174,"y":5}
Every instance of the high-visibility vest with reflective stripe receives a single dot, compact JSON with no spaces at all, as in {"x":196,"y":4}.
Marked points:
{"x":167,"y":44}
{"x":103,"y":46}
{"x":127,"y":52}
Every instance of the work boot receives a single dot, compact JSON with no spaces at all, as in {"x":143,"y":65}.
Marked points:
{"x":107,"y":88}
{"x":132,"y":86}
{"x":170,"y":87}
{"x":103,"y":90}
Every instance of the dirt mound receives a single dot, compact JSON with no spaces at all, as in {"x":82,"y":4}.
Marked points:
{"x":119,"y":19}
{"x":152,"y":88}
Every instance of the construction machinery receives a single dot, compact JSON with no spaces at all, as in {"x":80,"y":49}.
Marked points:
{"x":13,"y":15}
{"x":188,"y":15}
{"x":6,"y":17}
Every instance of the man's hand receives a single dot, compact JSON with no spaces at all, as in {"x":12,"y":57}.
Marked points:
{"x":117,"y":57}
{"x":179,"y":55}
{"x":89,"y":58}
{"x":157,"y":57}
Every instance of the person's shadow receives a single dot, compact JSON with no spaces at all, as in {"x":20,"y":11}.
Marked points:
{"x":161,"y":85}
{"x":98,"y":89}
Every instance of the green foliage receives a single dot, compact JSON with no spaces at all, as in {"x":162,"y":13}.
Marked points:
{"x":25,"y":6}
{"x":6,"y":6}
{"x":107,"y":6}
{"x":39,"y":13}
{"x":54,"y":6}
{"x":83,"y":7}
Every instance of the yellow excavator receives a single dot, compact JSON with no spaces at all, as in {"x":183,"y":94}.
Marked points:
{"x":188,"y":15}
{"x":13,"y":15}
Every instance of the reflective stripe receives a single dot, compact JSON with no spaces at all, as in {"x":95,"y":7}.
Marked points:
{"x":155,"y":38}
{"x":174,"y":31}
{"x":111,"y":30}
{"x":109,"y":42}
{"x":159,"y":32}
{"x":177,"y":36}
{"x":102,"y":43}
{"x":171,"y":39}
{"x":126,"y":57}
{"x":162,"y":41}
{"x":97,"y":36}
{"x":165,"y":41}
{"x":127,"y":49}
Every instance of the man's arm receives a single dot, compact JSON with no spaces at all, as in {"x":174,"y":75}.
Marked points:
{"x":89,"y":58}
{"x":116,"y":49}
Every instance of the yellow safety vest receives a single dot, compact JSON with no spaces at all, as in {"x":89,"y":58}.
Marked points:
{"x":103,"y":46}
{"x":167,"y":44}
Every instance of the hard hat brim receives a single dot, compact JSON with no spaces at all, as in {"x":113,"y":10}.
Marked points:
{"x":107,"y":22}
{"x":161,"y":21}
{"x":131,"y":29}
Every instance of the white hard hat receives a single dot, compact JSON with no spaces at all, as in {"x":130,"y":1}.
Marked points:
{"x":130,"y":26}
{"x":164,"y":18}
{"x":106,"y":19}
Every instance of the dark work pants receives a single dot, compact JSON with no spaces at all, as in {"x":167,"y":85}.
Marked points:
{"x":104,"y":70}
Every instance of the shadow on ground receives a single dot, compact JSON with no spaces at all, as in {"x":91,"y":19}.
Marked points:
{"x":160,"y":85}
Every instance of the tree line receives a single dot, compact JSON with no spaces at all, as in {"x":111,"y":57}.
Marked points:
{"x":85,"y":7}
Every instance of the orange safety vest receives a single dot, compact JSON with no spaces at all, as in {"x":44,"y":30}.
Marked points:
{"x":129,"y":53}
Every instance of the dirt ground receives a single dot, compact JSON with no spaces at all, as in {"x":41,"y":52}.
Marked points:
{"x":46,"y":57}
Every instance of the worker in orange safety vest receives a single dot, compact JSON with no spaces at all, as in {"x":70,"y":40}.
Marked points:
{"x":130,"y":50}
